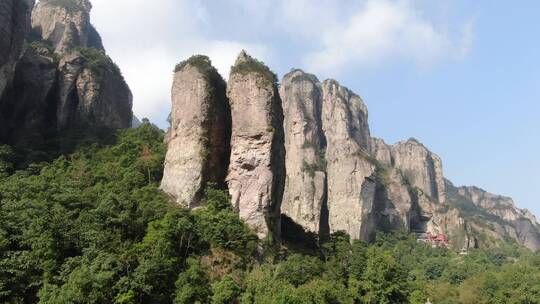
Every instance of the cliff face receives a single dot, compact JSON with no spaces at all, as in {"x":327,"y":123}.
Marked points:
{"x":64,"y":80}
{"x":29,"y":103}
{"x":305,"y":184}
{"x":341,"y":179}
{"x":92,"y":92}
{"x":351,"y":177}
{"x":198,"y":140}
{"x":422,"y":167}
{"x":14,"y":24}
{"x":257,"y":163}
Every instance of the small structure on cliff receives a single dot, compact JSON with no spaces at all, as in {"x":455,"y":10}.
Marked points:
{"x":436,"y":240}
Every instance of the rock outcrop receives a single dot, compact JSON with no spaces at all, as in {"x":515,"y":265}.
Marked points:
{"x":305,"y":184}
{"x":257,"y":163}
{"x":198,"y":140}
{"x":351,"y":176}
{"x":92,"y":92}
{"x":495,"y":216}
{"x":64,"y":80}
{"x":420,"y":166}
{"x":65,"y":24}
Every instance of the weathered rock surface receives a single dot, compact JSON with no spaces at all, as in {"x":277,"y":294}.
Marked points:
{"x":198,"y":140}
{"x":92,"y":92}
{"x":351,"y":176}
{"x":422,"y":167}
{"x":79,"y":88}
{"x":305,"y":183}
{"x":257,"y":164}
{"x":30,"y":102}
{"x":65,"y":24}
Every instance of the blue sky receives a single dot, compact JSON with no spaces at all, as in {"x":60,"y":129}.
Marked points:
{"x":461,"y":76}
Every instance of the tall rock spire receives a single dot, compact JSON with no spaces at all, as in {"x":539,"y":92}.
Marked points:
{"x":257,"y":166}
{"x":199,"y":137}
{"x":351,"y":176}
{"x":305,"y":185}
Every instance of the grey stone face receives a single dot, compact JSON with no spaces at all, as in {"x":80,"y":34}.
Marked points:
{"x":305,"y":183}
{"x":257,"y":164}
{"x":65,"y":27}
{"x":198,"y":140}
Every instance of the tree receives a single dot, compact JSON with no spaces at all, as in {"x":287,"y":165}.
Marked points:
{"x":192,"y":285}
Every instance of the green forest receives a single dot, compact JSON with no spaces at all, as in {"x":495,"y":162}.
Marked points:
{"x":92,"y":226}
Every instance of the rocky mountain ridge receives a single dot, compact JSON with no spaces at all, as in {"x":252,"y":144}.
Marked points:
{"x":300,"y":153}
{"x":336,"y":176}
{"x":60,"y":76}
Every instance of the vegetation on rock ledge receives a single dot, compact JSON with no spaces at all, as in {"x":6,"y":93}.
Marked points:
{"x":249,"y":64}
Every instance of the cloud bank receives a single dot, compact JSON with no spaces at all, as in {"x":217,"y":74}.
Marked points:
{"x":147,"y":38}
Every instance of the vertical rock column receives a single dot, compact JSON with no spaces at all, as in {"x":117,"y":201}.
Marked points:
{"x":351,"y":177}
{"x":198,"y":140}
{"x":305,"y":184}
{"x":257,"y":166}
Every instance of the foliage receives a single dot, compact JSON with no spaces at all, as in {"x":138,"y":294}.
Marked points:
{"x":97,"y":61}
{"x":252,"y":65}
{"x":92,"y":226}
{"x":70,"y":5}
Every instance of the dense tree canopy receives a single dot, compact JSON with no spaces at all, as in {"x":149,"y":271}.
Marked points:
{"x":92,"y":226}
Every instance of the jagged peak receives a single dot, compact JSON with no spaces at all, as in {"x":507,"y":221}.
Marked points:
{"x":246,"y":64}
{"x":242,"y":57}
{"x":299,"y":75}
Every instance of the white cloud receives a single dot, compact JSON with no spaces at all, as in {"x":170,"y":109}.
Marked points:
{"x":147,"y":38}
{"x":383,"y":30}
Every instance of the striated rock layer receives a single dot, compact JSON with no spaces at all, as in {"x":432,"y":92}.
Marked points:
{"x":257,"y":163}
{"x":198,"y":140}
